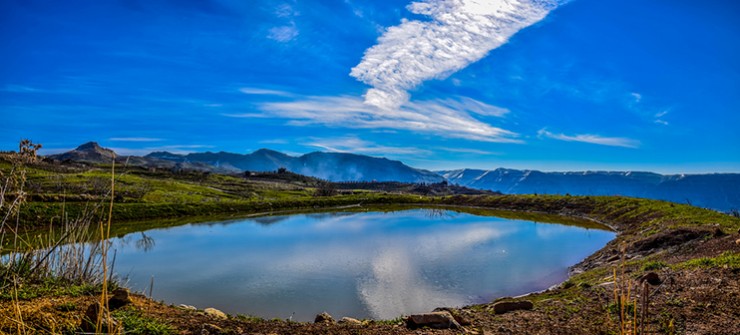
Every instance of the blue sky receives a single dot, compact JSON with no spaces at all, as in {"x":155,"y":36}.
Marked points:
{"x":439,"y":84}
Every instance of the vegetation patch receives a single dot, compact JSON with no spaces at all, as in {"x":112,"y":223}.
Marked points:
{"x":728,"y":259}
{"x":135,"y":323}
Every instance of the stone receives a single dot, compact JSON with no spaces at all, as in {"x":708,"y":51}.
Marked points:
{"x":119,"y":299}
{"x":651,"y":278}
{"x":89,"y":321}
{"x":436,"y":320}
{"x":350,"y":321}
{"x":209,"y":329}
{"x":737,"y":241}
{"x":324,"y":317}
{"x":188,"y":307}
{"x":457,"y":314}
{"x":502,"y":307}
{"x":214,"y":313}
{"x":718,"y":232}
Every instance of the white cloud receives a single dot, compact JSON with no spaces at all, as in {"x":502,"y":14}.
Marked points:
{"x":20,"y":89}
{"x":593,"y":139}
{"x":637,"y":97}
{"x":460,"y":32}
{"x":663,"y":122}
{"x":248,"y":115}
{"x":286,"y":10}
{"x":283,"y":33}
{"x":659,"y":117}
{"x":359,"y":146}
{"x":443,"y":117}
{"x":135,"y":139}
{"x":468,"y":151}
{"x":286,"y":13}
{"x":262,"y":91}
{"x":275,"y":141}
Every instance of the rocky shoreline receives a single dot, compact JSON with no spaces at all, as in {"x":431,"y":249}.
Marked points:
{"x":695,"y":254}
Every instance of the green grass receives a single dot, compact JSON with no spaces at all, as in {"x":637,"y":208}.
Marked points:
{"x":249,"y":318}
{"x":137,"y":324}
{"x":49,"y":287}
{"x":653,"y":265}
{"x":727,"y":259}
{"x":389,"y":322}
{"x":66,"y":307}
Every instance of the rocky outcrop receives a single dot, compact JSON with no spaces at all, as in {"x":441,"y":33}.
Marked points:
{"x":215,"y":313}
{"x":92,"y":315}
{"x":350,"y":321}
{"x":119,"y":299}
{"x":436,"y":320}
{"x":502,"y":307}
{"x":324,"y":317}
{"x":458,"y":314}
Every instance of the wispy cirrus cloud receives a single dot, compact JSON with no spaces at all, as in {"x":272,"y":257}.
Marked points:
{"x":289,"y":31}
{"x":659,"y":117}
{"x":461,"y":32}
{"x":591,"y":138}
{"x":20,"y":89}
{"x":263,"y":91}
{"x":356,"y":145}
{"x":275,"y":141}
{"x":443,"y":117}
{"x":468,"y":151}
{"x":283,"y":33}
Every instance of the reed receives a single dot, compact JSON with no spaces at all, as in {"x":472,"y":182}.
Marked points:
{"x":65,"y":256}
{"x":631,"y":319}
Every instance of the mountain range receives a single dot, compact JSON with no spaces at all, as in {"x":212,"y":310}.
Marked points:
{"x":720,"y":191}
{"x":325,"y":165}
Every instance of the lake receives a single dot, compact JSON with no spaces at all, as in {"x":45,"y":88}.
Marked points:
{"x":376,"y":265}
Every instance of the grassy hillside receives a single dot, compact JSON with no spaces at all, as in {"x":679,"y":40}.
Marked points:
{"x":56,"y":191}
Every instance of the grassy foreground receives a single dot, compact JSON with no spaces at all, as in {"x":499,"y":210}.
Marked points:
{"x":695,"y":253}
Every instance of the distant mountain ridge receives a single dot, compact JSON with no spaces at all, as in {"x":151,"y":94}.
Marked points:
{"x":325,"y":165}
{"x":719,"y":191}
{"x":331,"y":166}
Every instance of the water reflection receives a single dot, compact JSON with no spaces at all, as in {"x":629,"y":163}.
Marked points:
{"x":268,"y":220}
{"x":145,"y":243}
{"x":366,"y":265}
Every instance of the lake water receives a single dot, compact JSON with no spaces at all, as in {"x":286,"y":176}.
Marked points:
{"x":364,"y":265}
